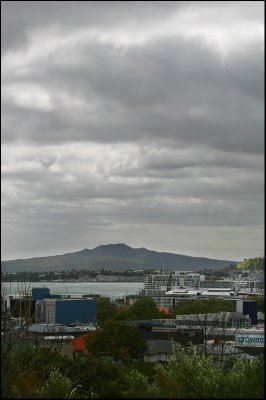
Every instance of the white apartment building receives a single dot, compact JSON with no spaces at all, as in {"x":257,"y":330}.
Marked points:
{"x":158,"y":284}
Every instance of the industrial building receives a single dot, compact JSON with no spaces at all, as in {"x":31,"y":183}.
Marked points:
{"x":42,"y":307}
{"x":240,"y":327}
{"x":244,"y":317}
{"x":23,"y":305}
{"x":18,"y":306}
{"x":66,"y":311}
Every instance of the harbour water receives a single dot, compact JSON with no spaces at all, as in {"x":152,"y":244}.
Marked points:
{"x":112,"y":290}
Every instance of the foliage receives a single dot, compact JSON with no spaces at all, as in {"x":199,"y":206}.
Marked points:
{"x":126,"y":315}
{"x":145,"y":368}
{"x":251,"y":263}
{"x":116,"y":339}
{"x":187,"y":375}
{"x":97,"y":376}
{"x":24,"y":371}
{"x":192,"y":375}
{"x":25,"y":385}
{"x":57,"y":386}
{"x":42,"y":360}
{"x":15,"y":371}
{"x":105,"y":309}
{"x":246,"y":379}
{"x":9,"y":371}
{"x":146,"y":308}
{"x":139,"y":387}
{"x":203,"y":306}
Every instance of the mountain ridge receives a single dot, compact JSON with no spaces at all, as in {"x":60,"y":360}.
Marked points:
{"x":118,"y":255}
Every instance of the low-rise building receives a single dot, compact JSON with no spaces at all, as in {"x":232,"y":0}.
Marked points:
{"x":209,"y":321}
{"x":157,"y":351}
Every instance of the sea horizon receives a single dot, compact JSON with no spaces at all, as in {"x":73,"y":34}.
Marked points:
{"x":109,"y":289}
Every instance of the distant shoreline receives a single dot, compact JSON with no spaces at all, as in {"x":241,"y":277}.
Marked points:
{"x":77,"y":281}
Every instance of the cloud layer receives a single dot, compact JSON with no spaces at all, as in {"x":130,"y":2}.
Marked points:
{"x":136,"y":122}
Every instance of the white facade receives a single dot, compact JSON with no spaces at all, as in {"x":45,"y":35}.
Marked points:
{"x":158,"y":284}
{"x":161,"y":283}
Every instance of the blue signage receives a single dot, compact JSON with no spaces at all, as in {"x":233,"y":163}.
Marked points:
{"x":250,"y":339}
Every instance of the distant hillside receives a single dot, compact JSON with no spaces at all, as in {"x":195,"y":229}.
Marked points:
{"x":252,"y":264}
{"x":112,"y":256}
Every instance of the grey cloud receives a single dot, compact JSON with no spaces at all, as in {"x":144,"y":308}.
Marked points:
{"x":208,"y":187}
{"x":151,"y":143}
{"x":46,"y":161}
{"x":176,"y":91}
{"x":19,"y":19}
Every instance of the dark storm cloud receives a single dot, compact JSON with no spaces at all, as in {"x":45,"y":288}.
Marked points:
{"x":132,"y":121}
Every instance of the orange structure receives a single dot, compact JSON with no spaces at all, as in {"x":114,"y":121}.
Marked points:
{"x":79,"y":342}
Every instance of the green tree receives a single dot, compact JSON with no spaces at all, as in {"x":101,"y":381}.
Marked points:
{"x":116,"y":339}
{"x":203,"y":306}
{"x":248,"y":377}
{"x":126,"y":315}
{"x":146,"y":308}
{"x":105,"y":310}
{"x":57,"y":386}
{"x":139,"y":387}
{"x":193,"y":375}
{"x":98,"y":377}
{"x":251,"y":263}
{"x":188,"y":375}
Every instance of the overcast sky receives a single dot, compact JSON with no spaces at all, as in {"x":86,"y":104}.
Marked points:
{"x":133,"y":122}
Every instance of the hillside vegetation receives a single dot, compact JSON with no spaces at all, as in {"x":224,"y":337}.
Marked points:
{"x":251,"y":264}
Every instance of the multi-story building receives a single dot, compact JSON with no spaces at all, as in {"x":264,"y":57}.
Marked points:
{"x":167,"y":282}
{"x":158,"y":284}
{"x":237,"y":284}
